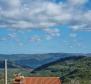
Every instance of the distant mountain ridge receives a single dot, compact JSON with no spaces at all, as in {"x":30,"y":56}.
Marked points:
{"x":44,"y":56}
{"x":36,"y":60}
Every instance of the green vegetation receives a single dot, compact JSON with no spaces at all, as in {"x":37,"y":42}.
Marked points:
{"x":71,"y":70}
{"x":11,"y":73}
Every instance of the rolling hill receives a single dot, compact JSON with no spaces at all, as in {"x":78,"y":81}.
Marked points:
{"x":70,"y":67}
{"x":77,"y":68}
{"x":34,"y":60}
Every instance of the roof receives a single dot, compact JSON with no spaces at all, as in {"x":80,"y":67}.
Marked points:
{"x":42,"y":80}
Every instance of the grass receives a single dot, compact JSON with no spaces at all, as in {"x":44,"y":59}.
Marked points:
{"x":11,"y":73}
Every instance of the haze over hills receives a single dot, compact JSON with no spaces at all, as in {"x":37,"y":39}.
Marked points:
{"x":36,"y":60}
{"x":38,"y":56}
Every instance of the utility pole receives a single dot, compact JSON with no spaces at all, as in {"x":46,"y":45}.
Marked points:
{"x":5,"y":71}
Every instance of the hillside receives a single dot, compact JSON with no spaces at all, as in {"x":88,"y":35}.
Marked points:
{"x":34,"y":60}
{"x":9,"y":64}
{"x":68,"y":69}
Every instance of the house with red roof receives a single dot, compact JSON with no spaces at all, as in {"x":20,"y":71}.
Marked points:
{"x":37,"y":80}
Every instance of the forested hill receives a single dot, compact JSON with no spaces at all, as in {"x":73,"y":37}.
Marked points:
{"x":67,"y":68}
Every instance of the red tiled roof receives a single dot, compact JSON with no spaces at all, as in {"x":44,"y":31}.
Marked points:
{"x":42,"y":80}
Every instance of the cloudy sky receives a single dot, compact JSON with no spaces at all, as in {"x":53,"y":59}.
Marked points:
{"x":45,"y":26}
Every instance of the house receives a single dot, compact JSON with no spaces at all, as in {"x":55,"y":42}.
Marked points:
{"x":42,"y":80}
{"x":37,"y":80}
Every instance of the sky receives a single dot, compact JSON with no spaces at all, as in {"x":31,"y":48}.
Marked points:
{"x":45,"y":26}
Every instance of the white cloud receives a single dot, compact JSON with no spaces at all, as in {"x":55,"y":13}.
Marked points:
{"x":73,"y":35}
{"x":77,"y":2}
{"x":43,"y":14}
{"x":34,"y":39}
{"x":52,"y":32}
{"x":48,"y":37}
{"x":12,"y":35}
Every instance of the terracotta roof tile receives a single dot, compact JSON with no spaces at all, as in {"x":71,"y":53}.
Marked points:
{"x":42,"y":80}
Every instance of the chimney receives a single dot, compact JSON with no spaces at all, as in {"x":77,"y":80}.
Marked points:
{"x":5,"y":71}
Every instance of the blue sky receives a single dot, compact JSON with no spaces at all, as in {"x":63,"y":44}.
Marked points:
{"x":45,"y":26}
